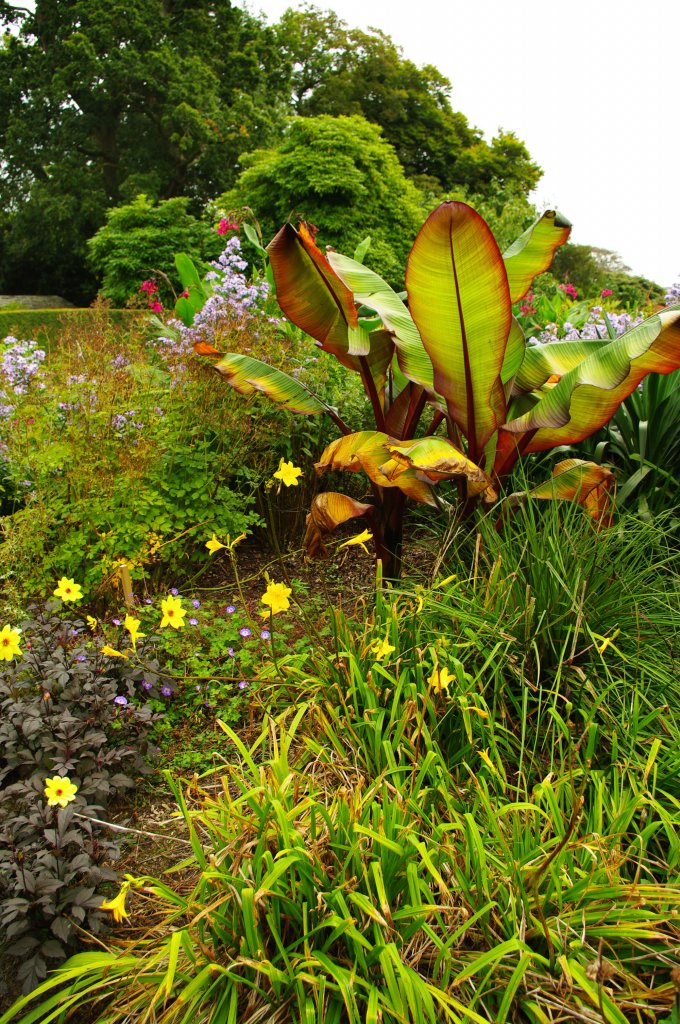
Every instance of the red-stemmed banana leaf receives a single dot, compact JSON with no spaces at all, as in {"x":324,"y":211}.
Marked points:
{"x":532,"y":253}
{"x":585,"y":483}
{"x":248,"y":375}
{"x":370,"y":290}
{"x":587,"y":397}
{"x":329,"y":510}
{"x":460,"y":302}
{"x":312,"y":295}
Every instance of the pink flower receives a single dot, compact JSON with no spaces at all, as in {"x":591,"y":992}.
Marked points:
{"x":569,"y":290}
{"x":605,"y":293}
{"x":149,"y":287}
{"x":185,"y":294}
{"x":156,"y":307}
{"x":226,"y":225}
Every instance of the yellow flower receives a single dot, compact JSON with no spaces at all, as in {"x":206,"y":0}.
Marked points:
{"x":112,"y":652}
{"x":382,"y":649}
{"x":92,"y":622}
{"x":440,"y":679}
{"x":360,"y":539}
{"x":288,"y":474}
{"x":276,"y":596}
{"x":59,"y":791}
{"x":132,"y":625}
{"x":608,"y":641}
{"x":484,"y":754}
{"x":173,"y":613}
{"x":213,"y":545}
{"x":9,"y":643}
{"x":116,"y":906}
{"x":68,"y":590}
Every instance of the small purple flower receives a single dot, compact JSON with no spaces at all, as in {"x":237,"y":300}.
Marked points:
{"x":166,"y":690}
{"x":193,"y":621}
{"x":120,"y":699}
{"x":198,"y":687}
{"x":146,"y":685}
{"x":81,"y":657}
{"x":230,"y":609}
{"x":174,"y":591}
{"x":265,"y":635}
{"x":147,"y":600}
{"x":196,"y":603}
{"x":243,"y":685}
{"x":230,"y":652}
{"x":116,"y":622}
{"x":244,"y":631}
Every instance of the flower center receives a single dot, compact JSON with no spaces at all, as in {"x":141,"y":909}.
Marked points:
{"x":5,"y":641}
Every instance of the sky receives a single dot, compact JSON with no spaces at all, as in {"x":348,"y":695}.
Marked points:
{"x":590,"y":86}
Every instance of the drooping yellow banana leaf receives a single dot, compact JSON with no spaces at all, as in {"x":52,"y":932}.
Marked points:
{"x":368,"y":450}
{"x":532,"y":253}
{"x":436,"y":458}
{"x":460,"y":302}
{"x":587,"y":396}
{"x":329,"y":510}
{"x":576,"y":480}
{"x":247,"y":375}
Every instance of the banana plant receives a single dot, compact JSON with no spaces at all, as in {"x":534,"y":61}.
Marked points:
{"x":456,"y":392}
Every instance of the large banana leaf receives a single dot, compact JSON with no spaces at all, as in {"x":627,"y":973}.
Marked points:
{"x":312,"y":295}
{"x":248,"y":375}
{"x":436,"y":458}
{"x":532,"y":253}
{"x":460,"y":302}
{"x":541,"y":362}
{"x":587,"y":396}
{"x":370,"y":290}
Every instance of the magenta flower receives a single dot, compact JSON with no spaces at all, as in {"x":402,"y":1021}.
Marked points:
{"x":605,"y":293}
{"x":156,"y":307}
{"x":149,"y":287}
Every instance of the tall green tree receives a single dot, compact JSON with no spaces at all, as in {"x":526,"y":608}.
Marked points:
{"x":103,"y":101}
{"x":341,"y":176}
{"x":341,"y":71}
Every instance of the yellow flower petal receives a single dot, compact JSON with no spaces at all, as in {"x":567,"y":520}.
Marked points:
{"x":360,"y":539}
{"x":116,"y":906}
{"x":111,"y":652}
{"x":440,"y":679}
{"x":92,"y":622}
{"x":173,"y":613}
{"x":213,"y":545}
{"x":382,"y":650}
{"x":132,"y":625}
{"x":9,"y":643}
{"x":276,"y":596}
{"x":288,"y":473}
{"x":59,"y":791}
{"x":68,"y":590}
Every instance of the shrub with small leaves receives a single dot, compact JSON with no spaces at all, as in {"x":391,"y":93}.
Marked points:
{"x":73,"y":735}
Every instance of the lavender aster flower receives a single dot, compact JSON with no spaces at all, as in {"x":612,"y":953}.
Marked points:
{"x":231,"y":652}
{"x":166,"y":690}
{"x":120,"y":699}
{"x":174,"y":591}
{"x":193,"y":622}
{"x":230,"y":609}
{"x":196,"y":603}
{"x":265,"y":635}
{"x":146,"y":685}
{"x":244,"y":631}
{"x":243,"y":684}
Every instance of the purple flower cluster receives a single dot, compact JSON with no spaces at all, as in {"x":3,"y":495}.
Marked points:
{"x":593,"y":329}
{"x":20,"y":365}
{"x":672,"y":296}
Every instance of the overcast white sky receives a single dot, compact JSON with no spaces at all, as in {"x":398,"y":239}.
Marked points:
{"x":591,"y":86}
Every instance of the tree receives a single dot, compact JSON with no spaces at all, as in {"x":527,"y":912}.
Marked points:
{"x":340,"y":175}
{"x":341,"y":71}
{"x":141,"y":238}
{"x":103,"y":101}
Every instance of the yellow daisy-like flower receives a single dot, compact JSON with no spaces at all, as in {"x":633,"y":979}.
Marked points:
{"x":112,"y":652}
{"x":173,"y":613}
{"x":288,"y":473}
{"x":440,"y":679}
{"x":213,"y":545}
{"x":68,"y":590}
{"x":91,"y":621}
{"x":116,"y":906}
{"x":9,"y":643}
{"x":360,"y":539}
{"x":132,"y":625}
{"x":276,"y":596}
{"x":59,"y":791}
{"x":381,"y":650}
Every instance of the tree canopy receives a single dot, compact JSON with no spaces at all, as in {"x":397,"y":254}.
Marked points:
{"x":341,"y":176}
{"x":100,"y":102}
